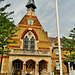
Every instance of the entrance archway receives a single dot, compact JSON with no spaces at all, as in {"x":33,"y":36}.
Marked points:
{"x":17,"y":67}
{"x":73,"y":66}
{"x":30,"y":67}
{"x":42,"y":67}
{"x":66,"y":64}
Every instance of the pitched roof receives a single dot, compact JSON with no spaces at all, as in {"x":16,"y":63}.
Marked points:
{"x":52,"y":39}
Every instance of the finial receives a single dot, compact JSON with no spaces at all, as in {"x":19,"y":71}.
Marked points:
{"x":31,"y":4}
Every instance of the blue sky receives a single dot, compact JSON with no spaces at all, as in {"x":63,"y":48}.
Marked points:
{"x":46,"y":14}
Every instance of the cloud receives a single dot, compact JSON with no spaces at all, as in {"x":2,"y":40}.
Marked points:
{"x":46,"y":14}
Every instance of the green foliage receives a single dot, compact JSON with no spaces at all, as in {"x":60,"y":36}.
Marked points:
{"x":1,"y":0}
{"x":7,"y":27}
{"x":72,"y":34}
{"x":69,"y":45}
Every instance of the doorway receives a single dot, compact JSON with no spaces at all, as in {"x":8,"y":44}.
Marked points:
{"x":17,"y":67}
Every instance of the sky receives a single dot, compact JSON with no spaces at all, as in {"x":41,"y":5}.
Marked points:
{"x":46,"y":13}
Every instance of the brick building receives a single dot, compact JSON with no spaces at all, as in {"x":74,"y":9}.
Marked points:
{"x":35,"y":53}
{"x":32,"y":53}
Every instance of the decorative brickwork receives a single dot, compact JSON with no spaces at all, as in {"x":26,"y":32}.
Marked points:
{"x":28,"y":31}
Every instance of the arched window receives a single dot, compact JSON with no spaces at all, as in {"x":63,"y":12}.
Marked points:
{"x":32,"y":43}
{"x":29,"y":41}
{"x":26,"y":43}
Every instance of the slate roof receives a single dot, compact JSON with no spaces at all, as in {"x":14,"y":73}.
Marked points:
{"x":52,"y":39}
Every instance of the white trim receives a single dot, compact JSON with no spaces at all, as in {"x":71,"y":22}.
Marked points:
{"x":2,"y":66}
{"x":29,"y":28}
{"x":56,"y":51}
{"x":57,"y":65}
{"x":21,"y":43}
{"x":10,"y":65}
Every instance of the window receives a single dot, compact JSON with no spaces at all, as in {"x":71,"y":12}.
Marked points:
{"x":17,"y":66}
{"x":30,"y":22}
{"x":26,"y":42}
{"x":29,"y":42}
{"x":32,"y":43}
{"x":57,"y":51}
{"x":57,"y":65}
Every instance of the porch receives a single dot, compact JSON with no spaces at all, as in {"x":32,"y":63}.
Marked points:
{"x":71,"y":65}
{"x":29,"y":67}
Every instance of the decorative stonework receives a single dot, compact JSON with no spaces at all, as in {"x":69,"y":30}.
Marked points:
{"x":28,"y":31}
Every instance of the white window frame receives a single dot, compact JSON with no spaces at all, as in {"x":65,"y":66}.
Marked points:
{"x":57,"y":65}
{"x":56,"y":51}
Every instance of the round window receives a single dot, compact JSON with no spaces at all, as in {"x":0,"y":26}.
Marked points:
{"x":30,"y":22}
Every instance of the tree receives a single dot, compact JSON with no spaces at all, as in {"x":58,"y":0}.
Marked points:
{"x":69,"y":45}
{"x":7,"y":28}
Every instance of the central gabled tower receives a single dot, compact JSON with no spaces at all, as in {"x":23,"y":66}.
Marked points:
{"x":30,"y":23}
